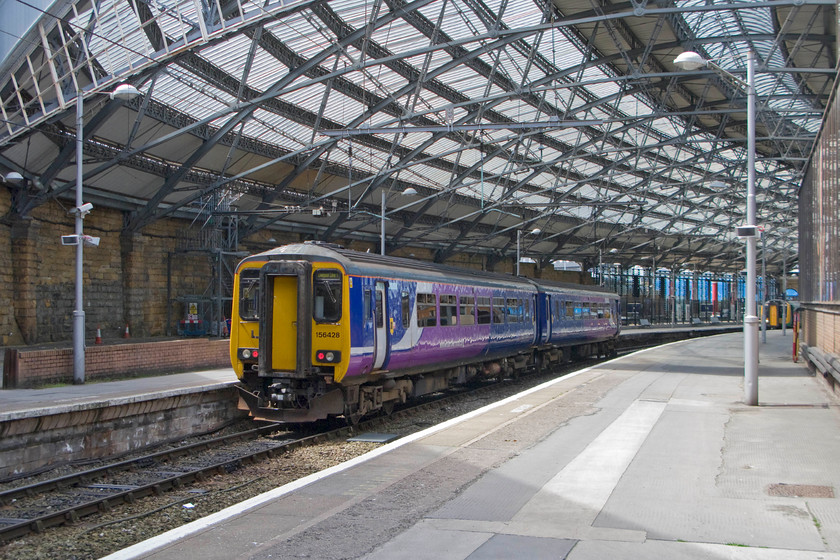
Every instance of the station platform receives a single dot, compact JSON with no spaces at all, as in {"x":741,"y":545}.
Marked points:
{"x":651,"y":455}
{"x":23,"y":403}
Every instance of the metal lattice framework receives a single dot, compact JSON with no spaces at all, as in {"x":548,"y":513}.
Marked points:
{"x":564,"y":123}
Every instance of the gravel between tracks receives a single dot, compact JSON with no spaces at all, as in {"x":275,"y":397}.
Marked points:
{"x":127,"y":524}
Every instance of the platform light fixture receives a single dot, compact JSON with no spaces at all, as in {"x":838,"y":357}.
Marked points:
{"x":692,"y":61}
{"x":122,"y":92}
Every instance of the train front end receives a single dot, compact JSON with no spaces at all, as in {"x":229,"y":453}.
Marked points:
{"x":290,"y":340}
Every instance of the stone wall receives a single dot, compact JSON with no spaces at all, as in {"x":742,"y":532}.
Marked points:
{"x":125,"y":277}
{"x":36,"y":439}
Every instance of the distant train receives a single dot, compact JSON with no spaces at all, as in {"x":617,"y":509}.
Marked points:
{"x":778,"y":311}
{"x":320,"y":331}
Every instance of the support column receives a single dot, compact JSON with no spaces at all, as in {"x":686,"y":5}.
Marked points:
{"x":25,"y":270}
{"x":136,"y":281}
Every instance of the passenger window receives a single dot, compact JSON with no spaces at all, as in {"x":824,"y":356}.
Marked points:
{"x":426,"y":310}
{"x":498,"y":310}
{"x":249,"y":294}
{"x":467,"y":310}
{"x":379,"y":313}
{"x":405,"y":304}
{"x":326,"y":290}
{"x":514,"y":310}
{"x":484,"y":313}
{"x":367,"y":310}
{"x":448,"y":310}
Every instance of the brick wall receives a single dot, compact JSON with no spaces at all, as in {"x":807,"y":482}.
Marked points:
{"x":7,"y":318}
{"x":126,"y":276}
{"x":33,"y":367}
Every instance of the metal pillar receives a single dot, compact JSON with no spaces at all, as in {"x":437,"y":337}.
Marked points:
{"x":79,"y":310}
{"x":750,"y":318}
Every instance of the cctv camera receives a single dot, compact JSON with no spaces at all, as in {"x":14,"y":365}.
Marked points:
{"x":90,"y":241}
{"x":85,"y":208}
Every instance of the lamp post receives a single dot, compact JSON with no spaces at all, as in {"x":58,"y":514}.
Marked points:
{"x":600,"y":267}
{"x":784,"y":289}
{"x":382,"y":231}
{"x":535,"y":231}
{"x":693,"y":61}
{"x":407,"y":192}
{"x":122,"y":92}
{"x":765,"y":300}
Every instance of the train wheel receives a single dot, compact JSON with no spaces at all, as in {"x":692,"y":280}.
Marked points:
{"x":352,"y":414}
{"x":388,"y":408}
{"x":353,"y":419}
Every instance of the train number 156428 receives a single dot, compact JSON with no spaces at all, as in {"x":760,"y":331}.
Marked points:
{"x":324,"y":334}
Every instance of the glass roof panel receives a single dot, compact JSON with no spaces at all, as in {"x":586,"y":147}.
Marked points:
{"x":492,"y":66}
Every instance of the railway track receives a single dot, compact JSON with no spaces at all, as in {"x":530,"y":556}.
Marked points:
{"x":67,"y":499}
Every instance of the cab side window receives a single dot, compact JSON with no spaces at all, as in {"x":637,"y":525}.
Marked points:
{"x":249,"y":294}
{"x":326,"y":292}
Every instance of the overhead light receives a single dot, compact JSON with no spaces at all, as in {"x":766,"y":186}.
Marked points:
{"x":13,"y":178}
{"x":125,"y":92}
{"x":690,"y":61}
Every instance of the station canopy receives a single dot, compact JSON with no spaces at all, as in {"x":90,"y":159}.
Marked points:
{"x":472,"y":125}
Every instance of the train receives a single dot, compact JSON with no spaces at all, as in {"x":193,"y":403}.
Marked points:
{"x":778,"y":311}
{"x":320,"y":331}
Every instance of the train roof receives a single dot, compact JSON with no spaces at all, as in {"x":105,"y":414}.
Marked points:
{"x":374,"y":264}
{"x":583,"y":289}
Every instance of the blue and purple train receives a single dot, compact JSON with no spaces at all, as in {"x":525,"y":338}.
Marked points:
{"x":318,"y":330}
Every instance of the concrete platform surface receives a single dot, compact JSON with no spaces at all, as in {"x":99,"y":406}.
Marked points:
{"x":25,"y":403}
{"x":652,"y":455}
{"x":28,"y":403}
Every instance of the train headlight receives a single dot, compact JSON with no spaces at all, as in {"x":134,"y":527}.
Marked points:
{"x":328,"y":356}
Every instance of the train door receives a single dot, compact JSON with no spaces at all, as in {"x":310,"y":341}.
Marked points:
{"x":380,"y":323}
{"x":284,"y":327}
{"x":286,"y":317}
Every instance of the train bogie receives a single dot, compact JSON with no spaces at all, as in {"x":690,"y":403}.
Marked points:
{"x":319,"y":331}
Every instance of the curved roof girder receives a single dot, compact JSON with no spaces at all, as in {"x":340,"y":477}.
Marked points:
{"x":692,"y":132}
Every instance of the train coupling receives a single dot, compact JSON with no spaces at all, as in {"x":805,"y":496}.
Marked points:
{"x":280,"y":393}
